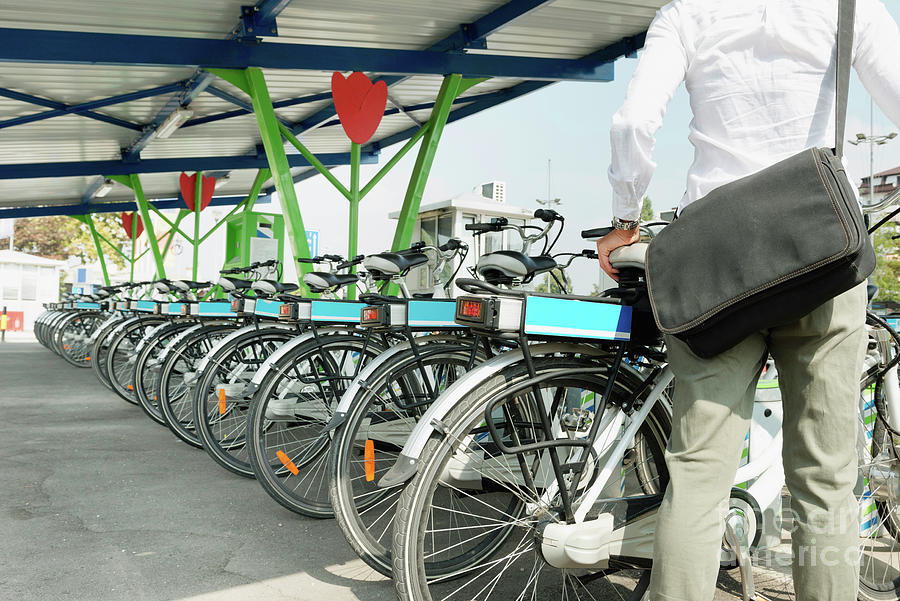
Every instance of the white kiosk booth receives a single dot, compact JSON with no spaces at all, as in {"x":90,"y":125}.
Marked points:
{"x":440,"y":221}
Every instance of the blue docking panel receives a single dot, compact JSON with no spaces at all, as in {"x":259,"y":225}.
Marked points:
{"x":577,"y":318}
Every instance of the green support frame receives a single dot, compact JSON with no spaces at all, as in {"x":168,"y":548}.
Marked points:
{"x":272,"y":131}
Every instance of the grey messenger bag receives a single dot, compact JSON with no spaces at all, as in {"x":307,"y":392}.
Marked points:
{"x":766,"y":249}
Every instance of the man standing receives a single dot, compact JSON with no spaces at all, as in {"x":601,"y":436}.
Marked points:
{"x":761,"y":79}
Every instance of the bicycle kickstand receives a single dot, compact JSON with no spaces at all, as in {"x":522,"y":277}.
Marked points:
{"x":737,"y":540}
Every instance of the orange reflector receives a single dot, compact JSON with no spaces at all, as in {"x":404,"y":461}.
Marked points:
{"x":87,"y":358}
{"x":66,"y":347}
{"x":286,"y":461}
{"x":222,"y":401}
{"x":130,"y":387}
{"x":370,"y":460}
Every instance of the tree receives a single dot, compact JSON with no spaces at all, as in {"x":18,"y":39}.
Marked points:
{"x":62,"y":237}
{"x":647,"y":214}
{"x":887,"y":271}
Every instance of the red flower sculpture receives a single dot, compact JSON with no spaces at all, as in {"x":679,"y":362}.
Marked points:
{"x":188,"y":184}
{"x":130,"y":218}
{"x":359,"y":104}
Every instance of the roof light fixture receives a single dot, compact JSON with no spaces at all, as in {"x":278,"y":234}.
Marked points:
{"x":178,"y":117}
{"x":104,"y":189}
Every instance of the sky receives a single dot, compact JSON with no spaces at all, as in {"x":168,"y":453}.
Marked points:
{"x":567,"y":123}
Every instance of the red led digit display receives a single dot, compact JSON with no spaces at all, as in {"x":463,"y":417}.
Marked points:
{"x":284,"y":310}
{"x":470,"y":308}
{"x":370,"y":314}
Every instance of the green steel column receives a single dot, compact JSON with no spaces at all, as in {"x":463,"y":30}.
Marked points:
{"x":354,"y":211}
{"x":133,"y":237}
{"x":198,"y":189}
{"x":173,"y":231}
{"x":452,"y":86}
{"x":148,"y":224}
{"x":89,"y":220}
{"x":278,"y":164}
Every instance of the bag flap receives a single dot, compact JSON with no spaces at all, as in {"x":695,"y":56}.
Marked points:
{"x":750,"y":235}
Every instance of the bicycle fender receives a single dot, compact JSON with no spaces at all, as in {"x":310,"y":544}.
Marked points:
{"x":233,"y":336}
{"x":284,"y":349}
{"x":407,"y":462}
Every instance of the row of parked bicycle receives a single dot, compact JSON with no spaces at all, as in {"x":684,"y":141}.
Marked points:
{"x":465,"y":447}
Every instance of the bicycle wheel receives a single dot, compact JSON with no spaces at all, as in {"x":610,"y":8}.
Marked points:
{"x":879,"y":504}
{"x":122,"y":356}
{"x":74,"y":336}
{"x":286,"y":433}
{"x":100,"y":348}
{"x":475,"y":514}
{"x":178,"y":377}
{"x":219,"y":409}
{"x":147,"y":368}
{"x":375,"y":430}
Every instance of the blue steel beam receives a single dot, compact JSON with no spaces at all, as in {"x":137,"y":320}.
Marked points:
{"x":59,"y":106}
{"x":277,"y":105}
{"x":115,"y":207}
{"x":225,"y":163}
{"x":70,"y":47}
{"x":468,"y":35}
{"x":93,"y":104}
{"x":229,"y":97}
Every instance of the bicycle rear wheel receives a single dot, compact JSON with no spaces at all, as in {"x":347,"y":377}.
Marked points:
{"x":370,"y":440}
{"x":468,"y":524}
{"x":219,"y":409}
{"x":287,"y":439}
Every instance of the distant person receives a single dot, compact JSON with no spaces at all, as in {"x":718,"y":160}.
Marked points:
{"x":761,"y":79}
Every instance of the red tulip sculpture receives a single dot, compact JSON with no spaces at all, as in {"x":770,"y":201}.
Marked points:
{"x":359,"y":104}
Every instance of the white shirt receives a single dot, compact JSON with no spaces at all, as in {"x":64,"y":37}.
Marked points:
{"x":760,"y":75}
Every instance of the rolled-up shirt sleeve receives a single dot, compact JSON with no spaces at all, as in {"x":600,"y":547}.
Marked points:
{"x":877,"y":56}
{"x":660,"y":71}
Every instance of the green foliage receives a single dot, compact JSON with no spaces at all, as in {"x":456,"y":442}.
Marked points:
{"x":62,"y":237}
{"x":887,"y":272}
{"x":647,"y":214}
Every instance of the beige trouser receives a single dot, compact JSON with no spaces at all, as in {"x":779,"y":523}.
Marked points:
{"x":819,"y":358}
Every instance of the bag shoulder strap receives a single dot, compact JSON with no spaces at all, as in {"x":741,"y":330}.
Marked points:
{"x":846,"y":22}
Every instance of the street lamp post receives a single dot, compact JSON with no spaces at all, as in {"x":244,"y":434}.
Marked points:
{"x":548,"y":202}
{"x":872,"y":140}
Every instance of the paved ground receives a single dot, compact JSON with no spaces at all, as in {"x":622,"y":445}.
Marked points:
{"x":99,"y":503}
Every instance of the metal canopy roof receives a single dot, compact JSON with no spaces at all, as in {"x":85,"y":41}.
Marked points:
{"x":84,"y":83}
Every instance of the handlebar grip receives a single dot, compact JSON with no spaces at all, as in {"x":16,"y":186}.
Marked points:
{"x":333,"y":257}
{"x":316,"y":259}
{"x":597,"y":232}
{"x":590,"y":253}
{"x":481,"y":228}
{"x":547,"y":215}
{"x":451,"y":244}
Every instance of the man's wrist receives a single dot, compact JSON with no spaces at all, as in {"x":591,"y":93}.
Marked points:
{"x":625,"y":224}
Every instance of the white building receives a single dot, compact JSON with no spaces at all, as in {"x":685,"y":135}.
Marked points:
{"x":438,"y":222}
{"x":26,"y":283}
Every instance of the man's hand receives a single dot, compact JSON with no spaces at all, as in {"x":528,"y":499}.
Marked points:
{"x":611,"y":242}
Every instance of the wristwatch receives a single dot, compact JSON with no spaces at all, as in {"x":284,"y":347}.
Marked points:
{"x":621,"y":224}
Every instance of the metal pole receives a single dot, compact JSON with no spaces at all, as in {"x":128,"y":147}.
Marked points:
{"x":131,"y":260}
{"x":871,"y":151}
{"x":3,"y":321}
{"x":354,"y":212}
{"x":198,"y":190}
{"x":89,"y":220}
{"x":271,"y":137}
{"x":148,"y":224}
{"x":450,"y":89}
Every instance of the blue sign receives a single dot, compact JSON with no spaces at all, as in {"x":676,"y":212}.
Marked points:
{"x":312,"y":240}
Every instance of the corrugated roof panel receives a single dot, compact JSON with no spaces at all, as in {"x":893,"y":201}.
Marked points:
{"x":573,"y":28}
{"x":193,"y":19}
{"x":66,"y":138}
{"x":402,"y":24}
{"x":73,"y":84}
